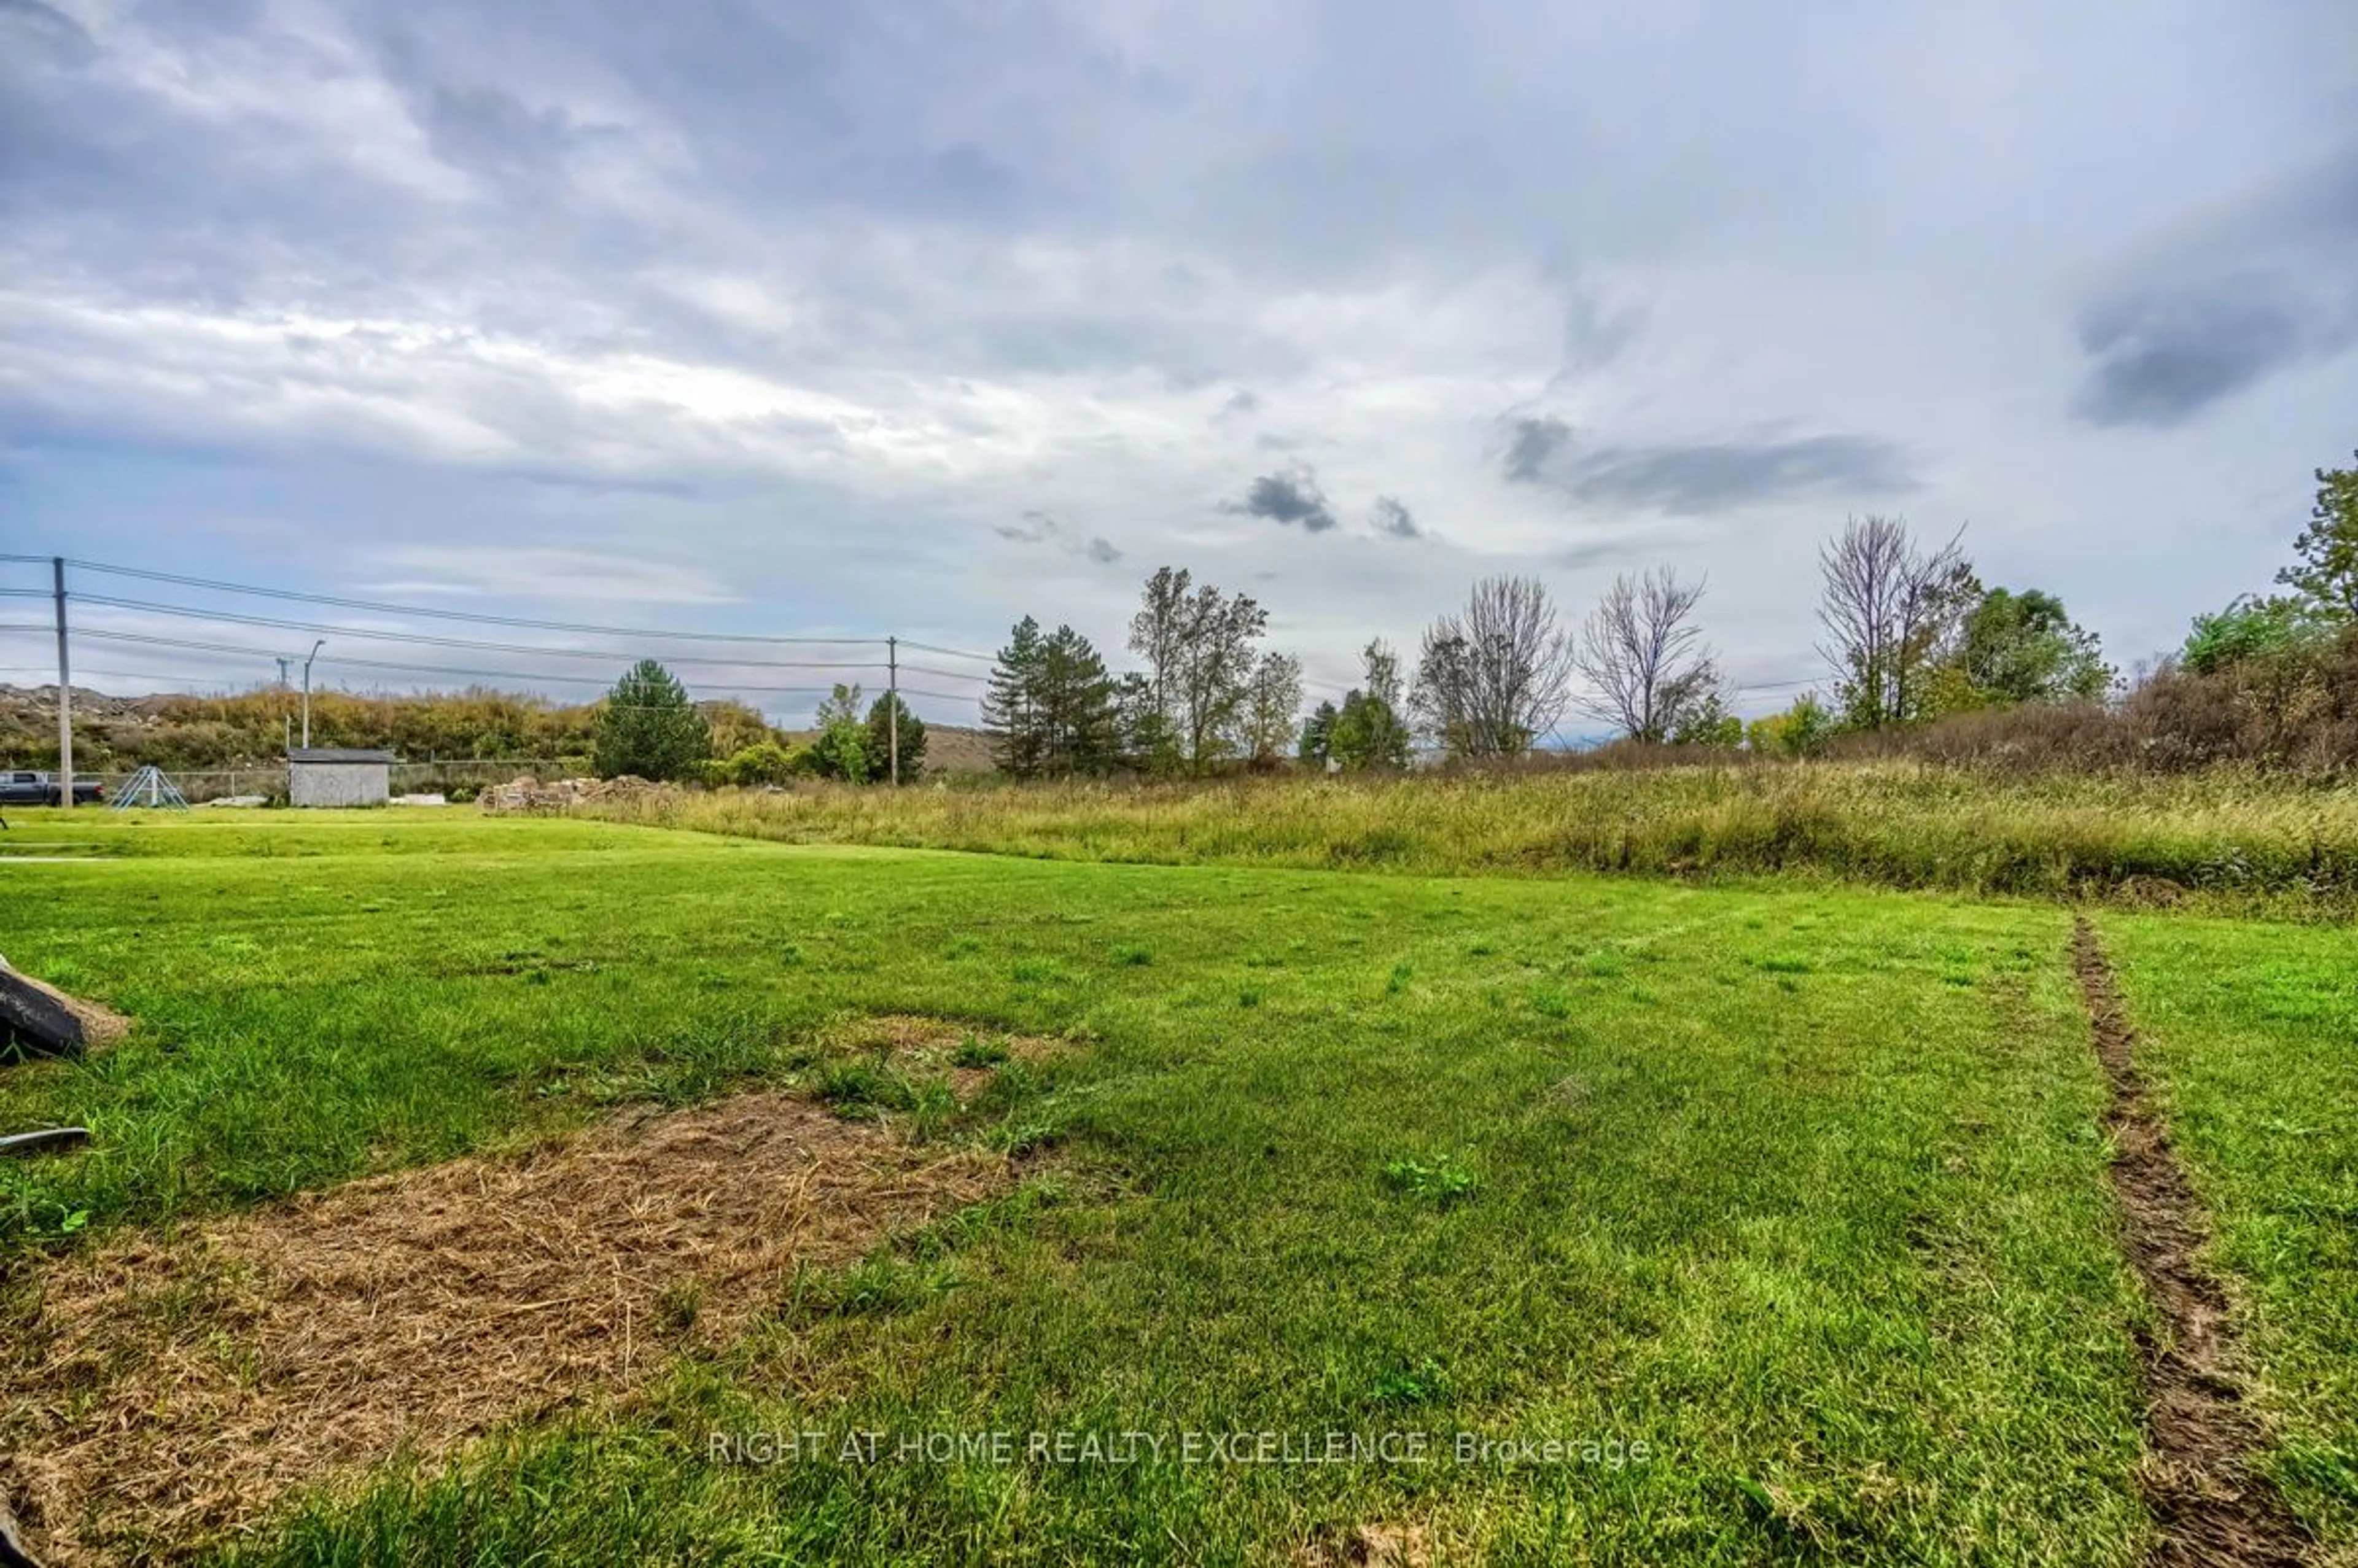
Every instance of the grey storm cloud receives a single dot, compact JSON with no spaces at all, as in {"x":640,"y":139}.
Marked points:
{"x":2265,"y":286}
{"x":1394,"y":520}
{"x":1701,"y":477}
{"x":1288,"y":498}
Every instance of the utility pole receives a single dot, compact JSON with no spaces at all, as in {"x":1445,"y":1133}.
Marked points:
{"x":306,"y":690}
{"x":65,"y":692}
{"x":891,"y":706}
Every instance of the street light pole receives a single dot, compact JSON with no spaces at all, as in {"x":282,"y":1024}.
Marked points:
{"x":65,"y":694}
{"x":306,"y":690}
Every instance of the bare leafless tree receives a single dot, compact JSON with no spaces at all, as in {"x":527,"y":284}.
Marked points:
{"x":1643,"y":657}
{"x":1885,"y":608}
{"x":1496,"y":676}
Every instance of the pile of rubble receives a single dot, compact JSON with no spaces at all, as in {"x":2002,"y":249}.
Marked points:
{"x":530,"y":795}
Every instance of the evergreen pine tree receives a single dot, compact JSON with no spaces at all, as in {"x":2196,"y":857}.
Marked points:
{"x":1010,"y":701}
{"x":649,"y":727}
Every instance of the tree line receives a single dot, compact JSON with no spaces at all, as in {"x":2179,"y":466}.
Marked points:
{"x":1908,"y":628}
{"x":1912,"y":633}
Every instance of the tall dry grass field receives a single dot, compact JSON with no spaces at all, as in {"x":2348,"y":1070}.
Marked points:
{"x":2226,"y":835}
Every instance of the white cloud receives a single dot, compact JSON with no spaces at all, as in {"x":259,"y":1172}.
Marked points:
{"x":813,"y":304}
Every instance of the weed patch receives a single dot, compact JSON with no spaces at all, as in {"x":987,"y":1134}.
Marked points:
{"x":1440,"y":1182}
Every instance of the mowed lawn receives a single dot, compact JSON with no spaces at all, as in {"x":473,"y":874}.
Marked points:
{"x":1802,"y":1191}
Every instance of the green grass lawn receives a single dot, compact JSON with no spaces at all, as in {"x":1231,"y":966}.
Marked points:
{"x":1800,"y":1189}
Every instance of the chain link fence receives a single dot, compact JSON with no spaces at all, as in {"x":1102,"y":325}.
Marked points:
{"x":455,"y":776}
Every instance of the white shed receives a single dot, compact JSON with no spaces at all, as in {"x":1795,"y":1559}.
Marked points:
{"x":337,"y":775}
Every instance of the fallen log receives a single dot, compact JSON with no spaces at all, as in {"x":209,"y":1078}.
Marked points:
{"x":35,"y":1024}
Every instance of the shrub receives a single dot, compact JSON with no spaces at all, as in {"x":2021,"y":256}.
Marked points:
{"x":764,"y":763}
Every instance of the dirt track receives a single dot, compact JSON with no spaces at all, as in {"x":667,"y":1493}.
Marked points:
{"x":2212,"y":1510}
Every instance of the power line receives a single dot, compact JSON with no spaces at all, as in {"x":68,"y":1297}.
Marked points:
{"x":476,"y":617}
{"x":538,"y":677}
{"x":368,"y":635}
{"x":353,"y":661}
{"x":952,"y":652}
{"x":473,"y":617}
{"x":553,"y":704}
{"x":345,"y":661}
{"x":104,"y":675}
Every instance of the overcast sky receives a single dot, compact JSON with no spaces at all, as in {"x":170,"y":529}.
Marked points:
{"x":857,"y":319}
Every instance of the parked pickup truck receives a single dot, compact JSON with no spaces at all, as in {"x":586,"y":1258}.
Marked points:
{"x":41,"y":789}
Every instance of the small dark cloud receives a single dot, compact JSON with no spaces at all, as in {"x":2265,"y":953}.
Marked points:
{"x":1531,"y":443}
{"x":1040,"y":528}
{"x":1393,"y":520}
{"x":482,"y":128}
{"x":1287,"y":498}
{"x":1242,"y":401}
{"x":1703,"y":476}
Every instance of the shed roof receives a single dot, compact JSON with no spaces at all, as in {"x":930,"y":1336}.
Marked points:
{"x":337,"y":754}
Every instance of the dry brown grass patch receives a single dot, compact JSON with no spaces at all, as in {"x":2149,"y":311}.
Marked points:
{"x":918,"y":1034}
{"x":176,"y":1387}
{"x":933,"y":1044}
{"x":1371,"y":1545}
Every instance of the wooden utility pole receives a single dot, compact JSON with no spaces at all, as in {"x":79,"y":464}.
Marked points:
{"x":892,"y":706}
{"x":65,"y":692}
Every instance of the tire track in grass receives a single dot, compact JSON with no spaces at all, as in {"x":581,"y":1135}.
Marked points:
{"x":2214,"y":1511}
